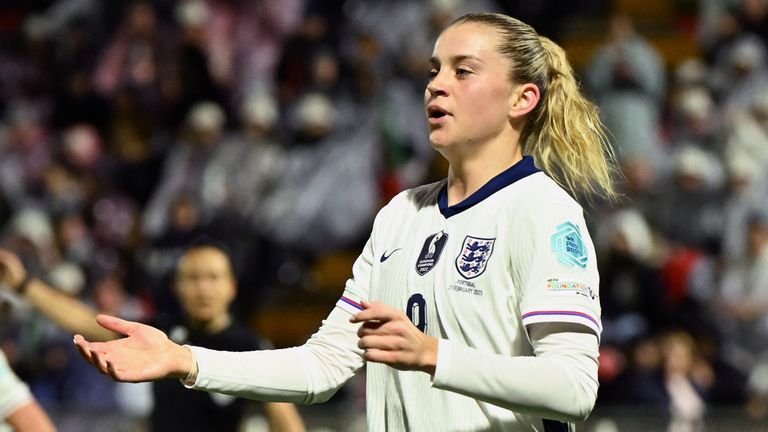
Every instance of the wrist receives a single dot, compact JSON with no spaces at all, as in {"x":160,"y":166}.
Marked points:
{"x":429,"y":356}
{"x":187,"y":368}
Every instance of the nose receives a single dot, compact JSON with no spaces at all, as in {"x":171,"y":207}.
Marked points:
{"x":436,"y":86}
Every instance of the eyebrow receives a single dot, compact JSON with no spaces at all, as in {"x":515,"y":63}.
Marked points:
{"x":456,"y":59}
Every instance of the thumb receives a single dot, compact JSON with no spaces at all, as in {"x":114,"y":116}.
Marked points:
{"x":116,"y":324}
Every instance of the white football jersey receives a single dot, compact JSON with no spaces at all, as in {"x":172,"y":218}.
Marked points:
{"x":514,"y":253}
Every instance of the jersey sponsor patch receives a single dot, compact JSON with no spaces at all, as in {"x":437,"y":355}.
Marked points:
{"x":430,"y":252}
{"x":557,"y":287}
{"x":474,"y":255}
{"x":569,"y":246}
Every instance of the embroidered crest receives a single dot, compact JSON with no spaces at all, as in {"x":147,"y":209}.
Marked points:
{"x":568,"y":245}
{"x":430,"y":252}
{"x":474,"y":255}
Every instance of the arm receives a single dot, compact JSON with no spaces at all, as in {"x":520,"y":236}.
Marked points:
{"x":70,"y":313}
{"x":30,"y":418}
{"x":283,"y":417}
{"x":17,"y":406}
{"x":306,"y":374}
{"x":559,"y":383}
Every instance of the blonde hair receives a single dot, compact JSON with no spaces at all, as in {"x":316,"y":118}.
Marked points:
{"x":564,"y":133}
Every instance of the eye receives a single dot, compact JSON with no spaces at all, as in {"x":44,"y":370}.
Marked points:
{"x":462,"y":73}
{"x":432,"y":74}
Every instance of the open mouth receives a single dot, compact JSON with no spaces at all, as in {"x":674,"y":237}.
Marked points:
{"x":435,"y":112}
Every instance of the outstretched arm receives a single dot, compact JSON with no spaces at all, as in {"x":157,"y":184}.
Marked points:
{"x":68,"y":312}
{"x":145,"y":354}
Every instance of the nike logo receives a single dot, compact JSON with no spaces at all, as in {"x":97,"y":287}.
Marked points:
{"x":385,"y":257}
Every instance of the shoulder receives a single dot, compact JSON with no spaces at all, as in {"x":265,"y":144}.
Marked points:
{"x":542,"y":191}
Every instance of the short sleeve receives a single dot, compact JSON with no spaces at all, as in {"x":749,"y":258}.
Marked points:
{"x":13,"y":392}
{"x":558,"y":270}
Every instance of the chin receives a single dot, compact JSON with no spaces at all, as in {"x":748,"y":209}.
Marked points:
{"x":438,"y":140}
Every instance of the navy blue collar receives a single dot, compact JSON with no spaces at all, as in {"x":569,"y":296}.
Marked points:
{"x":520,"y":170}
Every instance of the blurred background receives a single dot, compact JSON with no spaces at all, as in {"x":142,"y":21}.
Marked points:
{"x":129,"y":129}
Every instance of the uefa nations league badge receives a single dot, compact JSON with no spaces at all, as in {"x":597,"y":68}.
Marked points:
{"x":430,"y":252}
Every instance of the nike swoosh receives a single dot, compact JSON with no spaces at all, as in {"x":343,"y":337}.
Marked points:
{"x":385,"y":257}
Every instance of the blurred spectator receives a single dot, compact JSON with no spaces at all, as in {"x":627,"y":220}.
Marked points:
{"x":631,"y":288}
{"x":137,"y":56}
{"x":748,"y":135}
{"x":695,"y":120}
{"x":685,"y":378}
{"x":192,"y":169}
{"x":627,"y":79}
{"x":27,"y":154}
{"x":747,"y":193}
{"x":689,"y":211}
{"x":743,"y":298}
{"x":740,"y":73}
{"x":315,"y":207}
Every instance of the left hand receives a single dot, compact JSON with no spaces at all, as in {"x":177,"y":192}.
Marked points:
{"x":389,"y":337}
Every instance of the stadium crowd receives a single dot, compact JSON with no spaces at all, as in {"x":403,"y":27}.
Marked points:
{"x":129,"y":129}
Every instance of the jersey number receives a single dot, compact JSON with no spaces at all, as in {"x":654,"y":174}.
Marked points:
{"x":416,"y":309}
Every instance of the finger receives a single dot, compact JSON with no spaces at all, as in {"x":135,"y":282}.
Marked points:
{"x":84,"y":348}
{"x":115,"y":324}
{"x":369,"y":328}
{"x":376,"y":311}
{"x":381,"y":356}
{"x":389,"y":343}
{"x":99,"y":360}
{"x":112,"y":372}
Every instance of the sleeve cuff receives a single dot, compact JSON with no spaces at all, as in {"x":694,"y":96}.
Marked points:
{"x":198,"y":354}
{"x":451,"y":360}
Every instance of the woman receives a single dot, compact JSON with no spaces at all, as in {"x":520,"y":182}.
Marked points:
{"x":474,"y":303}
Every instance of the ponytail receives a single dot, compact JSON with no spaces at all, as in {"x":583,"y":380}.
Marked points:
{"x":566,"y":136}
{"x":564,"y":133}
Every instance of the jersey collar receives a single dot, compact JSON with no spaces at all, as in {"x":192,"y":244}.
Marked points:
{"x":520,"y":170}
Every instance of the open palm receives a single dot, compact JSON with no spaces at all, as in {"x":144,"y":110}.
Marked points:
{"x":146,"y":354}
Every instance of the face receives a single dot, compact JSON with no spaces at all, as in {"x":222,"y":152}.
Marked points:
{"x":469,"y":94}
{"x":205,"y":284}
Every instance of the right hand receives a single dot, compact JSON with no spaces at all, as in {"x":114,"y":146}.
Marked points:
{"x":12,"y":271}
{"x":146,"y":354}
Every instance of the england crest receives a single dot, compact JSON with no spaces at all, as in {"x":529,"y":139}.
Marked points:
{"x":430,"y":252}
{"x":474,"y":256}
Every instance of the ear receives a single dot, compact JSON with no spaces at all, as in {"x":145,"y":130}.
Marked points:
{"x":523,"y":100}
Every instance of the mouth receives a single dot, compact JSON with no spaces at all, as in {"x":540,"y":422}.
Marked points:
{"x":436,"y":114}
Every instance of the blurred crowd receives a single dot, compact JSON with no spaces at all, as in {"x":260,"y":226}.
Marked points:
{"x":129,"y":129}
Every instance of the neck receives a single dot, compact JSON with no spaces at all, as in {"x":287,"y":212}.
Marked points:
{"x":469,"y":173}
{"x":211,"y":326}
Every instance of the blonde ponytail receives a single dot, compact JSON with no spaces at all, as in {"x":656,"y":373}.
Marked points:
{"x":564,"y":135}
